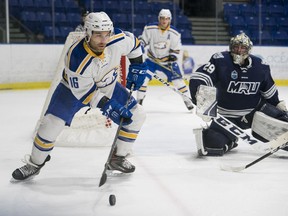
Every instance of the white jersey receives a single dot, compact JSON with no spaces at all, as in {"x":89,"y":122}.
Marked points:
{"x":161,"y":42}
{"x":89,"y":76}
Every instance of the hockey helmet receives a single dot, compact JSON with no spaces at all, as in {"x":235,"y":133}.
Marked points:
{"x":98,"y":21}
{"x":240,"y":48}
{"x":165,"y":13}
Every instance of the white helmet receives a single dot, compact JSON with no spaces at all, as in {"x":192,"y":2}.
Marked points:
{"x":165,"y":13}
{"x":99,"y":21}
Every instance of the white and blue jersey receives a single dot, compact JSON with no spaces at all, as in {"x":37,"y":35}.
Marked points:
{"x":88,"y":77}
{"x":161,"y":43}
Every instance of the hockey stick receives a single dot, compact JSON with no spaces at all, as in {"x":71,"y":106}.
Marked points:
{"x":279,"y":143}
{"x":168,"y":68}
{"x":223,"y":122}
{"x":104,"y":174}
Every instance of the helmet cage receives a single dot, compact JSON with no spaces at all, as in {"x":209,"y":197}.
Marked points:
{"x":240,"y":48}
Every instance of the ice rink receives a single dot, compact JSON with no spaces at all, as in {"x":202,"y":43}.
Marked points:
{"x":169,"y":179}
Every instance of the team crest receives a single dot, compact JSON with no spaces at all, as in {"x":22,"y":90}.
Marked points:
{"x":109,"y":78}
{"x":234,"y":75}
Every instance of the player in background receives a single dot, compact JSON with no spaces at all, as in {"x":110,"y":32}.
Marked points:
{"x":164,"y":43}
{"x":188,"y":64}
{"x":245,"y":92}
{"x":92,"y":67}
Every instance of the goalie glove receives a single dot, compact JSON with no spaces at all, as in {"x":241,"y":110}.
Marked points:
{"x":137,"y":74}
{"x":206,"y":102}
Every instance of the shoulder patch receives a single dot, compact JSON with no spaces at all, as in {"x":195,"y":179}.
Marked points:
{"x":218,"y":55}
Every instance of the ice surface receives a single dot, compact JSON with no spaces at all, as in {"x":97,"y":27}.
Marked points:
{"x":169,"y":179}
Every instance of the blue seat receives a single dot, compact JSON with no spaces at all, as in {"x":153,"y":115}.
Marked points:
{"x":182,"y":22}
{"x":269,"y":24}
{"x":71,"y":6}
{"x":246,"y":10}
{"x":237,"y":21}
{"x":27,"y":5}
{"x":262,"y":37}
{"x":59,"y":6}
{"x":253,"y":23}
{"x":74,"y":18}
{"x":43,"y":5}
{"x":111,"y":7}
{"x":230,"y":9}
{"x":30,"y":20}
{"x":280,"y":38}
{"x":264,"y":10}
{"x":125,"y":6}
{"x":139,"y":21}
{"x":44,"y":17}
{"x":186,"y":36}
{"x":141,"y":7}
{"x":60,"y":19}
{"x":51,"y":34}
{"x":277,"y":10}
{"x":64,"y":31}
{"x":14,"y":8}
{"x":120,"y":20}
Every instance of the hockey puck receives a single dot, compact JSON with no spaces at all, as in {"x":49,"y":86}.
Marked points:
{"x":112,"y":199}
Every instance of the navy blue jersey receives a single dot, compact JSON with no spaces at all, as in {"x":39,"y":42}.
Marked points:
{"x":239,"y":88}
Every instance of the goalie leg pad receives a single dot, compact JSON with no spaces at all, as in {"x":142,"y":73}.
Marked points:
{"x":211,"y":142}
{"x":266,"y":128}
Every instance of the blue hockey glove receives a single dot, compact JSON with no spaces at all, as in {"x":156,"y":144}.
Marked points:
{"x":116,"y":111}
{"x":136,"y":75}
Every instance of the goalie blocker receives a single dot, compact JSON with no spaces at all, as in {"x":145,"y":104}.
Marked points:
{"x":266,"y":124}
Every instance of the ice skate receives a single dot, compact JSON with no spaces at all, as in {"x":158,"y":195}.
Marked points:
{"x":119,"y":163}
{"x":29,"y":170}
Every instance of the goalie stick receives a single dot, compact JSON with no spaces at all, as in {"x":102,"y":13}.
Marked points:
{"x":104,"y":174}
{"x":225,"y":123}
{"x":279,"y":143}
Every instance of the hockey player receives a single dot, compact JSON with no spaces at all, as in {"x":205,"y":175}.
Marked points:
{"x":246,"y":94}
{"x":164,"y":43}
{"x":90,"y":79}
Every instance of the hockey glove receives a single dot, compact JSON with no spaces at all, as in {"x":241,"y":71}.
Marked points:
{"x":136,"y":75}
{"x":206,"y":102}
{"x":116,"y":111}
{"x":172,"y":58}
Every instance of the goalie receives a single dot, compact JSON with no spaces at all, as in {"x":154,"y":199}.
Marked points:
{"x":241,"y":87}
{"x":90,"y":75}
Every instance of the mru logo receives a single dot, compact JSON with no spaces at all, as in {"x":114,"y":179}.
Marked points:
{"x":246,"y":88}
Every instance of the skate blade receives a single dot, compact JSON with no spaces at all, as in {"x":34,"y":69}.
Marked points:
{"x":15,"y":181}
{"x":115,"y":173}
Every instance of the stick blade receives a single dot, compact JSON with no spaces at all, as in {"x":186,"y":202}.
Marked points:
{"x":226,"y":167}
{"x":103,"y":179}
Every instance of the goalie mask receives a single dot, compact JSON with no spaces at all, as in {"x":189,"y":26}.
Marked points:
{"x":240,"y":48}
{"x":99,"y":21}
